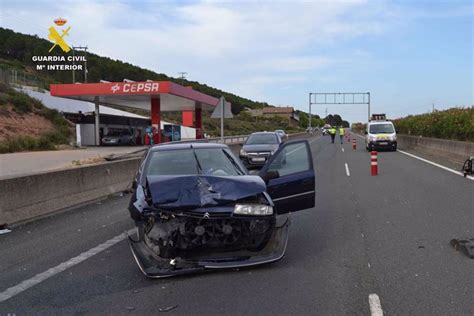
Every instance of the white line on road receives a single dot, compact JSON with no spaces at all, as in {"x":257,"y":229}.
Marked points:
{"x":342,"y":148}
{"x":375,"y":306}
{"x":429,"y":161}
{"x":23,"y":286}
{"x":434,"y":164}
{"x":347,"y":169}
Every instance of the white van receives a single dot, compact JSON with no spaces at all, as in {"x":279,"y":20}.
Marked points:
{"x":380,"y":134}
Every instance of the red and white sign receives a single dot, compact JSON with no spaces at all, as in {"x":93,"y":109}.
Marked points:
{"x":135,"y":87}
{"x":110,"y":88}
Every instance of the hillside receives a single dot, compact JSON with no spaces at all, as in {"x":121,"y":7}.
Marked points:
{"x":25,"y":124}
{"x":16,"y":51}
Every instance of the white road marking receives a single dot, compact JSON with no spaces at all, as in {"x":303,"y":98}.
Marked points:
{"x":342,"y":148}
{"x":375,"y":306}
{"x":428,"y":161}
{"x":435,"y":164}
{"x":347,"y":169}
{"x":37,"y":279}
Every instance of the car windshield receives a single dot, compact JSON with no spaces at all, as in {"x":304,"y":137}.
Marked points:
{"x":262,"y":139}
{"x":206,"y":161}
{"x":381,"y":129}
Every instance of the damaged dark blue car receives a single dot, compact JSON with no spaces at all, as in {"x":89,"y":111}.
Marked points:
{"x":196,"y":207}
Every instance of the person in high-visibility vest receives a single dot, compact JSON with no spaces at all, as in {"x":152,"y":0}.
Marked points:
{"x":341,"y":133}
{"x":332,"y":132}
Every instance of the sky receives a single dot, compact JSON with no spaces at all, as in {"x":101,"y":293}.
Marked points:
{"x":410,"y":55}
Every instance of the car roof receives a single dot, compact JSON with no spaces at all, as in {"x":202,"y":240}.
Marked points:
{"x":260,"y":133}
{"x":186,"y":145}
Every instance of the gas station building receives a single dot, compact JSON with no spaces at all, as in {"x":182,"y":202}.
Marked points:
{"x":154,"y":96}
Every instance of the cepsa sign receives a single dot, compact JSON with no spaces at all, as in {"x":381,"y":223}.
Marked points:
{"x":135,"y":87}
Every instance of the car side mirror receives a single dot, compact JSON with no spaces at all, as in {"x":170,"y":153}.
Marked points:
{"x":365,"y":132}
{"x":269,"y":175}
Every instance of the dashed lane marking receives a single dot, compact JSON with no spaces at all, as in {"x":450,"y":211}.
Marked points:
{"x":342,"y":148}
{"x":348,"y":173}
{"x":375,"y":306}
{"x":37,"y":279}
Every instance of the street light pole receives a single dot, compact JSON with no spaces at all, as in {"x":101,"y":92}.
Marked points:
{"x":309,"y":121}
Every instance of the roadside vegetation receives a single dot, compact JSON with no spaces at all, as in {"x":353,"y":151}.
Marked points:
{"x":454,"y":123}
{"x":11,"y":102}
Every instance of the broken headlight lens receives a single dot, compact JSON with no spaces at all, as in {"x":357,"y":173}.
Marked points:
{"x":253,"y":209}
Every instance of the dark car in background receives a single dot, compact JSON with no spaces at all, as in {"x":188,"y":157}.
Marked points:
{"x":258,"y":148}
{"x":196,"y":207}
{"x":283,"y":135}
{"x":118,"y":137}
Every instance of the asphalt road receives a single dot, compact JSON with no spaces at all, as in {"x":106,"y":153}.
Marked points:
{"x":386,"y":235}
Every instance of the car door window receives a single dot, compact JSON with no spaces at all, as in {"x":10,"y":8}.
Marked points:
{"x":290,"y":177}
{"x":293,"y":158}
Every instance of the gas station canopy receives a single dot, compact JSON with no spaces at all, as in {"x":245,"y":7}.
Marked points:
{"x":154,"y":96}
{"x":172,"y":96}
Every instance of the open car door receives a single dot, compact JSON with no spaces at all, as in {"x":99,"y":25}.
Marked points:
{"x":289,"y":175}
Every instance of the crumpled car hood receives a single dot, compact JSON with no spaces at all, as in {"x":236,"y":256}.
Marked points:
{"x":170,"y":192}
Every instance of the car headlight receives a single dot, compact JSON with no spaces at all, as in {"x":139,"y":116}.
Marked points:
{"x":393,"y":138}
{"x":243,"y":152}
{"x":272,"y":152}
{"x":253,"y":209}
{"x":372,"y":138}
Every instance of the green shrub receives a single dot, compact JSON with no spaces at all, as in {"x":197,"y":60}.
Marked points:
{"x":21,"y":102}
{"x":454,"y":123}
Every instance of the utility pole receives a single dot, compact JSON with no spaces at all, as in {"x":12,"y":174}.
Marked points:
{"x":73,"y":63}
{"x":182,"y":76}
{"x":326,"y":115}
{"x":83,"y":48}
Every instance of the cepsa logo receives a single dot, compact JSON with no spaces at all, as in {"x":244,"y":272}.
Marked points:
{"x":135,"y":87}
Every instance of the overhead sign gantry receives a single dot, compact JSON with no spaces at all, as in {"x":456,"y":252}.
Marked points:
{"x":339,"y":98}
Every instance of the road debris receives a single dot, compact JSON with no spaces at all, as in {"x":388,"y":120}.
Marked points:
{"x":4,"y":229}
{"x":464,"y":245}
{"x":167,"y":309}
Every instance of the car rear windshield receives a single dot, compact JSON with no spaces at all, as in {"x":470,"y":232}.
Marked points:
{"x":206,"y":161}
{"x":381,"y":129}
{"x":262,"y":139}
